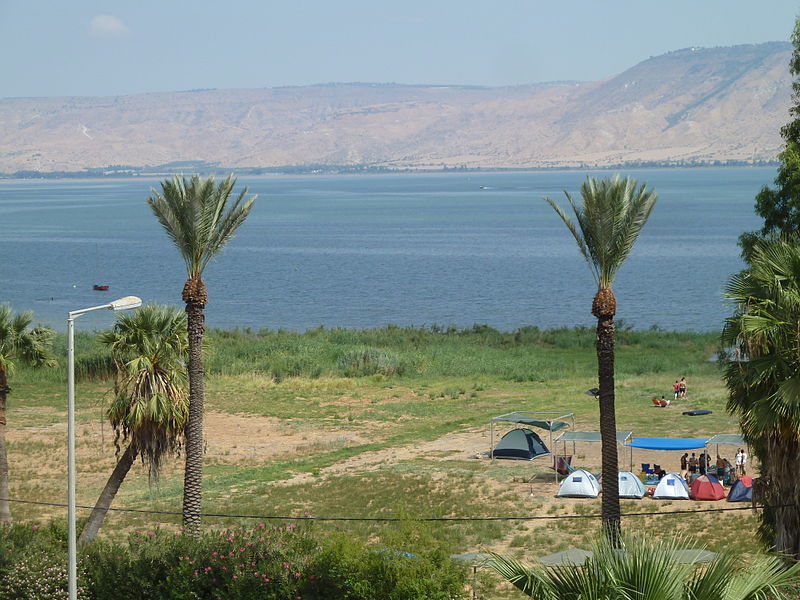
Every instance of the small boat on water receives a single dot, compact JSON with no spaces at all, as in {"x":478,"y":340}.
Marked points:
{"x":100,"y":288}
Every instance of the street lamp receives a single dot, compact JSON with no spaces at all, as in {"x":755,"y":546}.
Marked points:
{"x":122,"y":304}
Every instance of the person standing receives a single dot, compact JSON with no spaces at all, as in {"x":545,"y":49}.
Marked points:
{"x":685,"y":465}
{"x":738,"y":461}
{"x":720,"y":469}
{"x":682,"y":387}
{"x":702,"y":463}
{"x":676,"y":389}
{"x":744,"y":462}
{"x":692,"y":464}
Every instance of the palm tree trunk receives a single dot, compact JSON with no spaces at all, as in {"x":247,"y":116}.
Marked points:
{"x":783,"y":454}
{"x":193,"y":474}
{"x":5,"y":505}
{"x":100,"y":509}
{"x":608,"y":428}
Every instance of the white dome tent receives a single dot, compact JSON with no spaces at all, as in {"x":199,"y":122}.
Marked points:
{"x":579,"y":484}
{"x":671,"y":487}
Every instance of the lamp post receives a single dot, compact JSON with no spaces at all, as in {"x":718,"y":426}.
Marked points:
{"x":122,"y":304}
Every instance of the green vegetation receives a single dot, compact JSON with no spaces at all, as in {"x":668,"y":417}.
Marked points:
{"x":765,"y":389}
{"x":270,"y":562}
{"x":648,"y":569}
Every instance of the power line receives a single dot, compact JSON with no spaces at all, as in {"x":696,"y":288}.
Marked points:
{"x":400,"y":519}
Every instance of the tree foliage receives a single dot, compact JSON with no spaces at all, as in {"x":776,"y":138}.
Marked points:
{"x":779,"y":206}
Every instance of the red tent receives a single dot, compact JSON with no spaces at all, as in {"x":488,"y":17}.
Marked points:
{"x":706,"y":487}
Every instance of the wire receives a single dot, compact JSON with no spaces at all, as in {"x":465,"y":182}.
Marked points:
{"x":399,"y":519}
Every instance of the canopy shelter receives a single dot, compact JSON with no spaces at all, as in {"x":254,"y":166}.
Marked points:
{"x":551,"y":421}
{"x":575,"y":557}
{"x":667,"y":444}
{"x":589,"y":436}
{"x":729,"y":439}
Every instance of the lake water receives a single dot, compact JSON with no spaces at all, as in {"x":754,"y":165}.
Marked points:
{"x":365,"y":251}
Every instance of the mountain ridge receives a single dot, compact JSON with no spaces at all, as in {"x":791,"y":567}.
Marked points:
{"x":688,"y":106}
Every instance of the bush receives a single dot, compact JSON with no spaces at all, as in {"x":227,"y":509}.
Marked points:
{"x":361,"y":362}
{"x":269,"y":563}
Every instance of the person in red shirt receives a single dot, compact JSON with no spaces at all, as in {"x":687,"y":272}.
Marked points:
{"x":676,"y":388}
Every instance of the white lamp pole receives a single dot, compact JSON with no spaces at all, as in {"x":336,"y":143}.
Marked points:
{"x":121,"y":304}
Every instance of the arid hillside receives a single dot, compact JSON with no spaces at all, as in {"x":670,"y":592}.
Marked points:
{"x":694,"y":105}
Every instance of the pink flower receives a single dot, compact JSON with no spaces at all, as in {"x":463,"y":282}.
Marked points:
{"x":285,"y":565}
{"x":215,"y":553}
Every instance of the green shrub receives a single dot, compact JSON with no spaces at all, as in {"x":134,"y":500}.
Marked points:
{"x":269,"y":563}
{"x":361,"y":362}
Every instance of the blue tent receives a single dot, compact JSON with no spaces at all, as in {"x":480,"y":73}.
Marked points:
{"x":520,"y":444}
{"x":741,"y":491}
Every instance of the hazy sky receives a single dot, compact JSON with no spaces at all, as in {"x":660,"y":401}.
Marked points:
{"x":92,"y":47}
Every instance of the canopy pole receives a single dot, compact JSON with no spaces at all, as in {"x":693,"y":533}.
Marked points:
{"x":491,"y":439}
{"x":555,"y":463}
{"x":631,"y":467}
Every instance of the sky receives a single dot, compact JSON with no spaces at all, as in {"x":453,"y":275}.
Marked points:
{"x":116,"y":47}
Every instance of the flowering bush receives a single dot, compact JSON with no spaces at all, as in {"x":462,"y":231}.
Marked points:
{"x":283,"y":562}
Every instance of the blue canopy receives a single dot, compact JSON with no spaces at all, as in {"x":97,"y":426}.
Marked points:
{"x":668,"y":443}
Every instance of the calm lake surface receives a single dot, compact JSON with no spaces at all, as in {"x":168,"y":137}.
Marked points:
{"x":366,"y":251}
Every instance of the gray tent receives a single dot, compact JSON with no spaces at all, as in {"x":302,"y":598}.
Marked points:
{"x":520,"y":444}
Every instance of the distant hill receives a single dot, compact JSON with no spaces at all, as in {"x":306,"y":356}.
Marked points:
{"x":695,"y":106}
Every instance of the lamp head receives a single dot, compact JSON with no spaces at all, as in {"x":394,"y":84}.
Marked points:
{"x":126,"y":303}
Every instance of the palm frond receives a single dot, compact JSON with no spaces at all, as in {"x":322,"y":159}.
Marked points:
{"x":609,"y":220}
{"x":196,"y":215}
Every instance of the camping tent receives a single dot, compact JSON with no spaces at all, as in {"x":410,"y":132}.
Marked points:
{"x":671,"y":487}
{"x":742,"y":490}
{"x":580,"y":484}
{"x":706,"y":487}
{"x":520,"y":444}
{"x":544,"y":420}
{"x":630,"y":486}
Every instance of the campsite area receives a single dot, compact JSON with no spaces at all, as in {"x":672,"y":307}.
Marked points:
{"x":382,"y":446}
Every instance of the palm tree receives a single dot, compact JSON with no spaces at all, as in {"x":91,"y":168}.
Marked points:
{"x":199,"y":218}
{"x":150,"y":404}
{"x":19,"y":343}
{"x":649,"y":570}
{"x":609,"y":221}
{"x":764,"y":389}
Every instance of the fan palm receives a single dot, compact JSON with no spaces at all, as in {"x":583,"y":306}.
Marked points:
{"x":200,"y":218}
{"x":764,"y":390}
{"x":609,"y":220}
{"x":649,"y":571}
{"x":150,"y":405}
{"x":19,"y":343}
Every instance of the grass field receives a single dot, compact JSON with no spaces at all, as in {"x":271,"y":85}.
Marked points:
{"x":386,"y":424}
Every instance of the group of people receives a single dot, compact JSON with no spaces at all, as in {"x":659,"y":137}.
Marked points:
{"x":691,"y":465}
{"x":679,"y":388}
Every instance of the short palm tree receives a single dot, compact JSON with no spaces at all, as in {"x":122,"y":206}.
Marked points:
{"x":764,"y":389}
{"x":150,"y":404}
{"x":19,"y":344}
{"x":199,"y":217}
{"x":609,"y":221}
{"x":648,"y":570}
